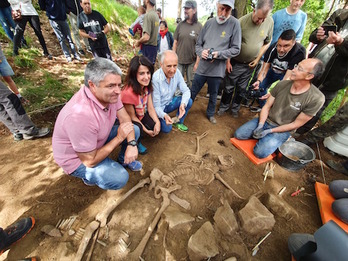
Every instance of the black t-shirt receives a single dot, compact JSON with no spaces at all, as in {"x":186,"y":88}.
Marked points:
{"x":93,"y":23}
{"x":281,"y":65}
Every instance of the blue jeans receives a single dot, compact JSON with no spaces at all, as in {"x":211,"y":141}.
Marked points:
{"x":107,"y":174}
{"x":172,"y":106}
{"x":6,"y":21}
{"x":213,"y":88}
{"x":62,"y":31}
{"x":265,"y":146}
{"x":150,"y":52}
{"x":270,"y":78}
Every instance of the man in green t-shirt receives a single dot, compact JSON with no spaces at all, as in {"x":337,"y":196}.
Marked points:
{"x":185,"y":39}
{"x":257,"y":30}
{"x":150,"y":32}
{"x":290,"y":105}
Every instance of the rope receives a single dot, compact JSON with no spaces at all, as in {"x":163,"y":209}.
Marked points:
{"x":46,"y":108}
{"x":321,"y":163}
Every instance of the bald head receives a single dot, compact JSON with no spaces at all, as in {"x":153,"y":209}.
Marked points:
{"x":317,"y":67}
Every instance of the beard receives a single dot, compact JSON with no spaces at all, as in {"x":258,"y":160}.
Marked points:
{"x":219,"y":21}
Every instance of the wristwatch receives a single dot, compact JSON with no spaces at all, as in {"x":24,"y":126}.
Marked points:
{"x":132,"y":143}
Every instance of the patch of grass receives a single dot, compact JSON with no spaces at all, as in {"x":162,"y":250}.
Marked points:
{"x":47,"y":92}
{"x":26,"y":59}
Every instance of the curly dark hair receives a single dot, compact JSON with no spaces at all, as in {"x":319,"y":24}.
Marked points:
{"x":131,"y":77}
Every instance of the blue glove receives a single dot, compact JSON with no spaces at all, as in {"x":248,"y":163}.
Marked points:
{"x":258,"y":129}
{"x":260,"y":134}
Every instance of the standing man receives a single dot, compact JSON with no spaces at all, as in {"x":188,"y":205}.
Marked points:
{"x":332,"y":50}
{"x":73,"y":11}
{"x":56,"y":13}
{"x":280,"y":58}
{"x":257,"y":29}
{"x":290,"y":105}
{"x":150,"y":32}
{"x":85,"y":131}
{"x":290,"y":17}
{"x":94,"y":27}
{"x":185,"y":39}
{"x":219,"y":40}
{"x":166,"y":81}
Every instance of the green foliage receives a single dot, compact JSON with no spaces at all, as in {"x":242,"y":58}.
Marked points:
{"x":334,"y":105}
{"x":115,"y":13}
{"x":316,"y":11}
{"x":2,"y":33}
{"x":171,"y":24}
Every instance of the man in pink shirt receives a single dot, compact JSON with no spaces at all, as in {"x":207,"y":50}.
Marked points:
{"x":85,"y":132}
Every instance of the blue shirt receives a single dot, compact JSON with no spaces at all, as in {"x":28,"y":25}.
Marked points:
{"x":284,"y":21}
{"x":163,"y":91}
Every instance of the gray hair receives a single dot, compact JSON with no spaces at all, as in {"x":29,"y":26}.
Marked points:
{"x":264,"y":4}
{"x":164,"y":54}
{"x":97,"y":69}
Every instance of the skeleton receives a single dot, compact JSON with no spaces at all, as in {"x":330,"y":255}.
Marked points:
{"x":164,"y":192}
{"x":103,"y":216}
{"x":93,"y":226}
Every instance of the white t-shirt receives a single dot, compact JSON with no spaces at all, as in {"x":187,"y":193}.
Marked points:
{"x":164,"y":44}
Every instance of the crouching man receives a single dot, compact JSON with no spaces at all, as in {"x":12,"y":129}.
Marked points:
{"x":85,"y":132}
{"x":290,"y":105}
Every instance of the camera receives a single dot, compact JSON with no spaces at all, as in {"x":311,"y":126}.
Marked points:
{"x":252,"y":93}
{"x":210,"y":54}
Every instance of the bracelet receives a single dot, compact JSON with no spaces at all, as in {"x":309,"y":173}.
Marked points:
{"x":259,"y":81}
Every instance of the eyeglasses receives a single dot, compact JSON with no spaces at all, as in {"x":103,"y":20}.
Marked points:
{"x":300,"y":69}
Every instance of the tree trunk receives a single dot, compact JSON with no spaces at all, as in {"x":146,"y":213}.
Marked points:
{"x":179,"y":8}
{"x":240,"y":6}
{"x":139,"y":2}
{"x":162,"y":9}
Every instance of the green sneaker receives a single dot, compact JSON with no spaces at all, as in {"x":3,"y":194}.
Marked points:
{"x":181,"y":127}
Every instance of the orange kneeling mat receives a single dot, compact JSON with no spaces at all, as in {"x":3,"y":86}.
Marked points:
{"x":325,"y":200}
{"x":247,"y":146}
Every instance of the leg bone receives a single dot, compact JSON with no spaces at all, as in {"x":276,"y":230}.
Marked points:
{"x":218,"y":177}
{"x":93,"y":226}
{"x":136,"y":254}
{"x":103,"y":216}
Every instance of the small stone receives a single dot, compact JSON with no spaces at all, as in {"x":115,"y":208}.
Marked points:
{"x":71,"y":232}
{"x":202,"y":244}
{"x":255,"y":217}
{"x":51,"y":231}
{"x":231,"y":259}
{"x":176,"y":218}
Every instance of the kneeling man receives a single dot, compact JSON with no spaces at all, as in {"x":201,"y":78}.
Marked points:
{"x":85,"y":132}
{"x":290,"y":105}
{"x":167,"y":81}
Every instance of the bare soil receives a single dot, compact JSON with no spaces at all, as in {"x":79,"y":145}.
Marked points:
{"x":31,"y":184}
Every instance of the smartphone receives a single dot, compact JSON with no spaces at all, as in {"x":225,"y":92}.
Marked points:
{"x":328,"y":28}
{"x":93,"y":35}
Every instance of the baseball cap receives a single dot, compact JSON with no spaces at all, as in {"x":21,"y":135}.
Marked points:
{"x":153,"y":2}
{"x":227,"y":2}
{"x":190,"y":4}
